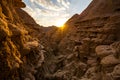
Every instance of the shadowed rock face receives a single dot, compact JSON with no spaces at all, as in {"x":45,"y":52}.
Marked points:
{"x":87,"y":48}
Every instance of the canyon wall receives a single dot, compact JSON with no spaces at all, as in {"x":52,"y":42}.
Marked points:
{"x":86,"y":48}
{"x":20,"y":51}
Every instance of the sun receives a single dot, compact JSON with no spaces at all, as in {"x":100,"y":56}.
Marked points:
{"x":60,"y":22}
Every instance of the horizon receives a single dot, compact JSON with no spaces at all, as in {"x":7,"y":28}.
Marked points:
{"x":54,"y":12}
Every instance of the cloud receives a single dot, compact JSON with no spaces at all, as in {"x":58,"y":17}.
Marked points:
{"x":46,"y":12}
{"x":65,"y":3}
{"x":51,"y":5}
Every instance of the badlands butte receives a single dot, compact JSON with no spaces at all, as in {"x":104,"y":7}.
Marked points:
{"x":86,"y":48}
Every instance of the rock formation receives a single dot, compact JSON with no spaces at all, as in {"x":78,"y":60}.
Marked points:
{"x":20,"y":53}
{"x":86,"y":48}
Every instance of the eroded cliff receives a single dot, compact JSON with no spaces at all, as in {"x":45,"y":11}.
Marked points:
{"x":20,"y":53}
{"x":86,"y":48}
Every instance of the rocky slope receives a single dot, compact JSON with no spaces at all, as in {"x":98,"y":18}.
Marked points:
{"x":86,"y":48}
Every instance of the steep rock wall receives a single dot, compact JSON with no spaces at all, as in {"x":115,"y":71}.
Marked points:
{"x":20,"y":53}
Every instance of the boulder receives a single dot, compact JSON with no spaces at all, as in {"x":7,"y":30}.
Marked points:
{"x":109,"y":61}
{"x":104,"y":50}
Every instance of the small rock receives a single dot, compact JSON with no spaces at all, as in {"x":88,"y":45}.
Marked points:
{"x":27,"y":79}
{"x":82,"y":65}
{"x":92,"y":62}
{"x":70,"y":56}
{"x":116,"y":70}
{"x":42,"y":47}
{"x":90,"y":72}
{"x":86,"y":41}
{"x":32,"y":44}
{"x":107,"y":76}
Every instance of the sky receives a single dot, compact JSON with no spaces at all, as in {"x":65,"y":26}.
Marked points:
{"x":54,"y":12}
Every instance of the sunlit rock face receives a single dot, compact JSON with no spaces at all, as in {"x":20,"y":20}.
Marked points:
{"x":20,"y":53}
{"x":11,"y":38}
{"x":90,"y":39}
{"x":86,"y":48}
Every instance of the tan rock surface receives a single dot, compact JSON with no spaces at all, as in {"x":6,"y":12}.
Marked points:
{"x":70,"y":53}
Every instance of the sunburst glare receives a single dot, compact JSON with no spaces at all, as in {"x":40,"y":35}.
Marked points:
{"x":60,"y":22}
